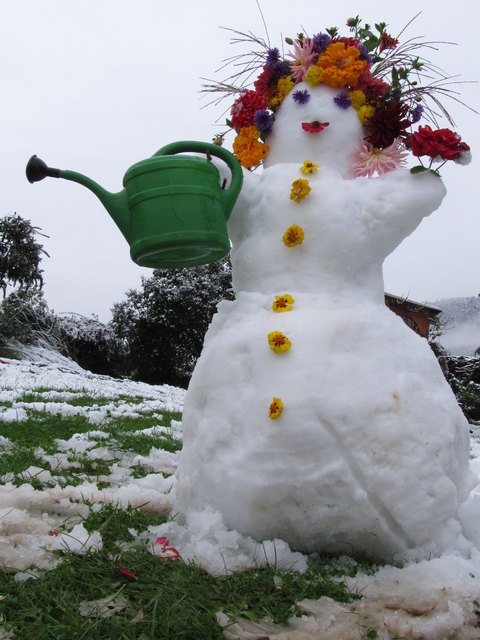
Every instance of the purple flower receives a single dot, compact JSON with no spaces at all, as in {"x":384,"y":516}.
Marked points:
{"x":364,"y":52}
{"x":342,"y":100}
{"x":301,"y":97}
{"x":273,"y":56}
{"x":416,"y":113}
{"x":263,"y":121}
{"x":321,"y":42}
{"x":280,"y":68}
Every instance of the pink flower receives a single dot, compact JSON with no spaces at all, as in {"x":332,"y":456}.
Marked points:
{"x":314,"y":127}
{"x":303,"y":56}
{"x":163,"y":541}
{"x":367,"y":160}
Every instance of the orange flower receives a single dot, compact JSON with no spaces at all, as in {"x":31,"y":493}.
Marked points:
{"x":283,"y":303}
{"x":248,"y":149}
{"x":293,"y":236}
{"x":340,"y":65}
{"x":275,"y":409}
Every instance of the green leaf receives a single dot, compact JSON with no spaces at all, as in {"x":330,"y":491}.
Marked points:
{"x":419,"y":169}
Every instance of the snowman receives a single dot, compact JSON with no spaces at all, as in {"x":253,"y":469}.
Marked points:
{"x":314,"y":414}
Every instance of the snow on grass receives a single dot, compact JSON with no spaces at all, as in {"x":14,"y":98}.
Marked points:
{"x":89,"y":467}
{"x":72,"y":442}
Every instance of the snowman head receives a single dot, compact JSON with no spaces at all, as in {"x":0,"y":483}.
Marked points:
{"x":315,"y":123}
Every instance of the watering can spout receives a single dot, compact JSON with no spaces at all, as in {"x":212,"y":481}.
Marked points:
{"x":115,"y":203}
{"x":172,"y":211}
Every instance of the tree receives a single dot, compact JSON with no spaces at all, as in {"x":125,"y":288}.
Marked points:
{"x":164,"y":323}
{"x":20,"y":254}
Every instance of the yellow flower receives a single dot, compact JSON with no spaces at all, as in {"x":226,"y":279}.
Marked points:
{"x":357,"y":98}
{"x":248,"y":149}
{"x":314,"y":75}
{"x":300,"y":189}
{"x":283,"y":303}
{"x":278,"y":342}
{"x":340,"y":65}
{"x":308,"y":167}
{"x":284,"y":86}
{"x":293,"y":236}
{"x":365,"y":113}
{"x":275,"y":409}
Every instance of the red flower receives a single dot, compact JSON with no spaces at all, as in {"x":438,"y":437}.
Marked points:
{"x":168,"y":553}
{"x":442,"y":143}
{"x":348,"y":42}
{"x":314,"y":127}
{"x":262,"y":83}
{"x":127,"y":573}
{"x":387,"y":123}
{"x":371,"y":86}
{"x":387,"y":42}
{"x":53,"y":533}
{"x":244,"y":107}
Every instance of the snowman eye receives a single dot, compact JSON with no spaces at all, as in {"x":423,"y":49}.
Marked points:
{"x":342,"y":100}
{"x":301,"y":97}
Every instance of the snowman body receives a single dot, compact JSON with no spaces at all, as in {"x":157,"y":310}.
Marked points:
{"x":370,"y":452}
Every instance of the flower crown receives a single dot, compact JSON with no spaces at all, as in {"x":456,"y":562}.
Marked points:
{"x":374,"y":75}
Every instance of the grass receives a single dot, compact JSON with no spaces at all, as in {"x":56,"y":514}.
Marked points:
{"x":159,"y":599}
{"x":176,"y":600}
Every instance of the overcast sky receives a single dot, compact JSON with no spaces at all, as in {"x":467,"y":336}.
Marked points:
{"x":97,"y":85}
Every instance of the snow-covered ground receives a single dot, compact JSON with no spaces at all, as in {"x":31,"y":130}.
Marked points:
{"x":432,"y":599}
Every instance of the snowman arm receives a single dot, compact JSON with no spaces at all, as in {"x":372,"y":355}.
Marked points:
{"x":398,"y":203}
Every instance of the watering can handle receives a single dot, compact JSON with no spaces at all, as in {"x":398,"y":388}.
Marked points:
{"x":228,"y":195}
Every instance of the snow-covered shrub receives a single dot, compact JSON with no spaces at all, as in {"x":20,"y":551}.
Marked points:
{"x":463,"y":375}
{"x":91,"y":343}
{"x":25,"y":318}
{"x":165,"y":321}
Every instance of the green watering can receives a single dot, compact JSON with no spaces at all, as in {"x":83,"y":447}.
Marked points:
{"x":173,"y":210}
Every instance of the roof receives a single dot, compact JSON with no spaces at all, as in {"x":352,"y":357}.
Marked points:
{"x":412,"y":305}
